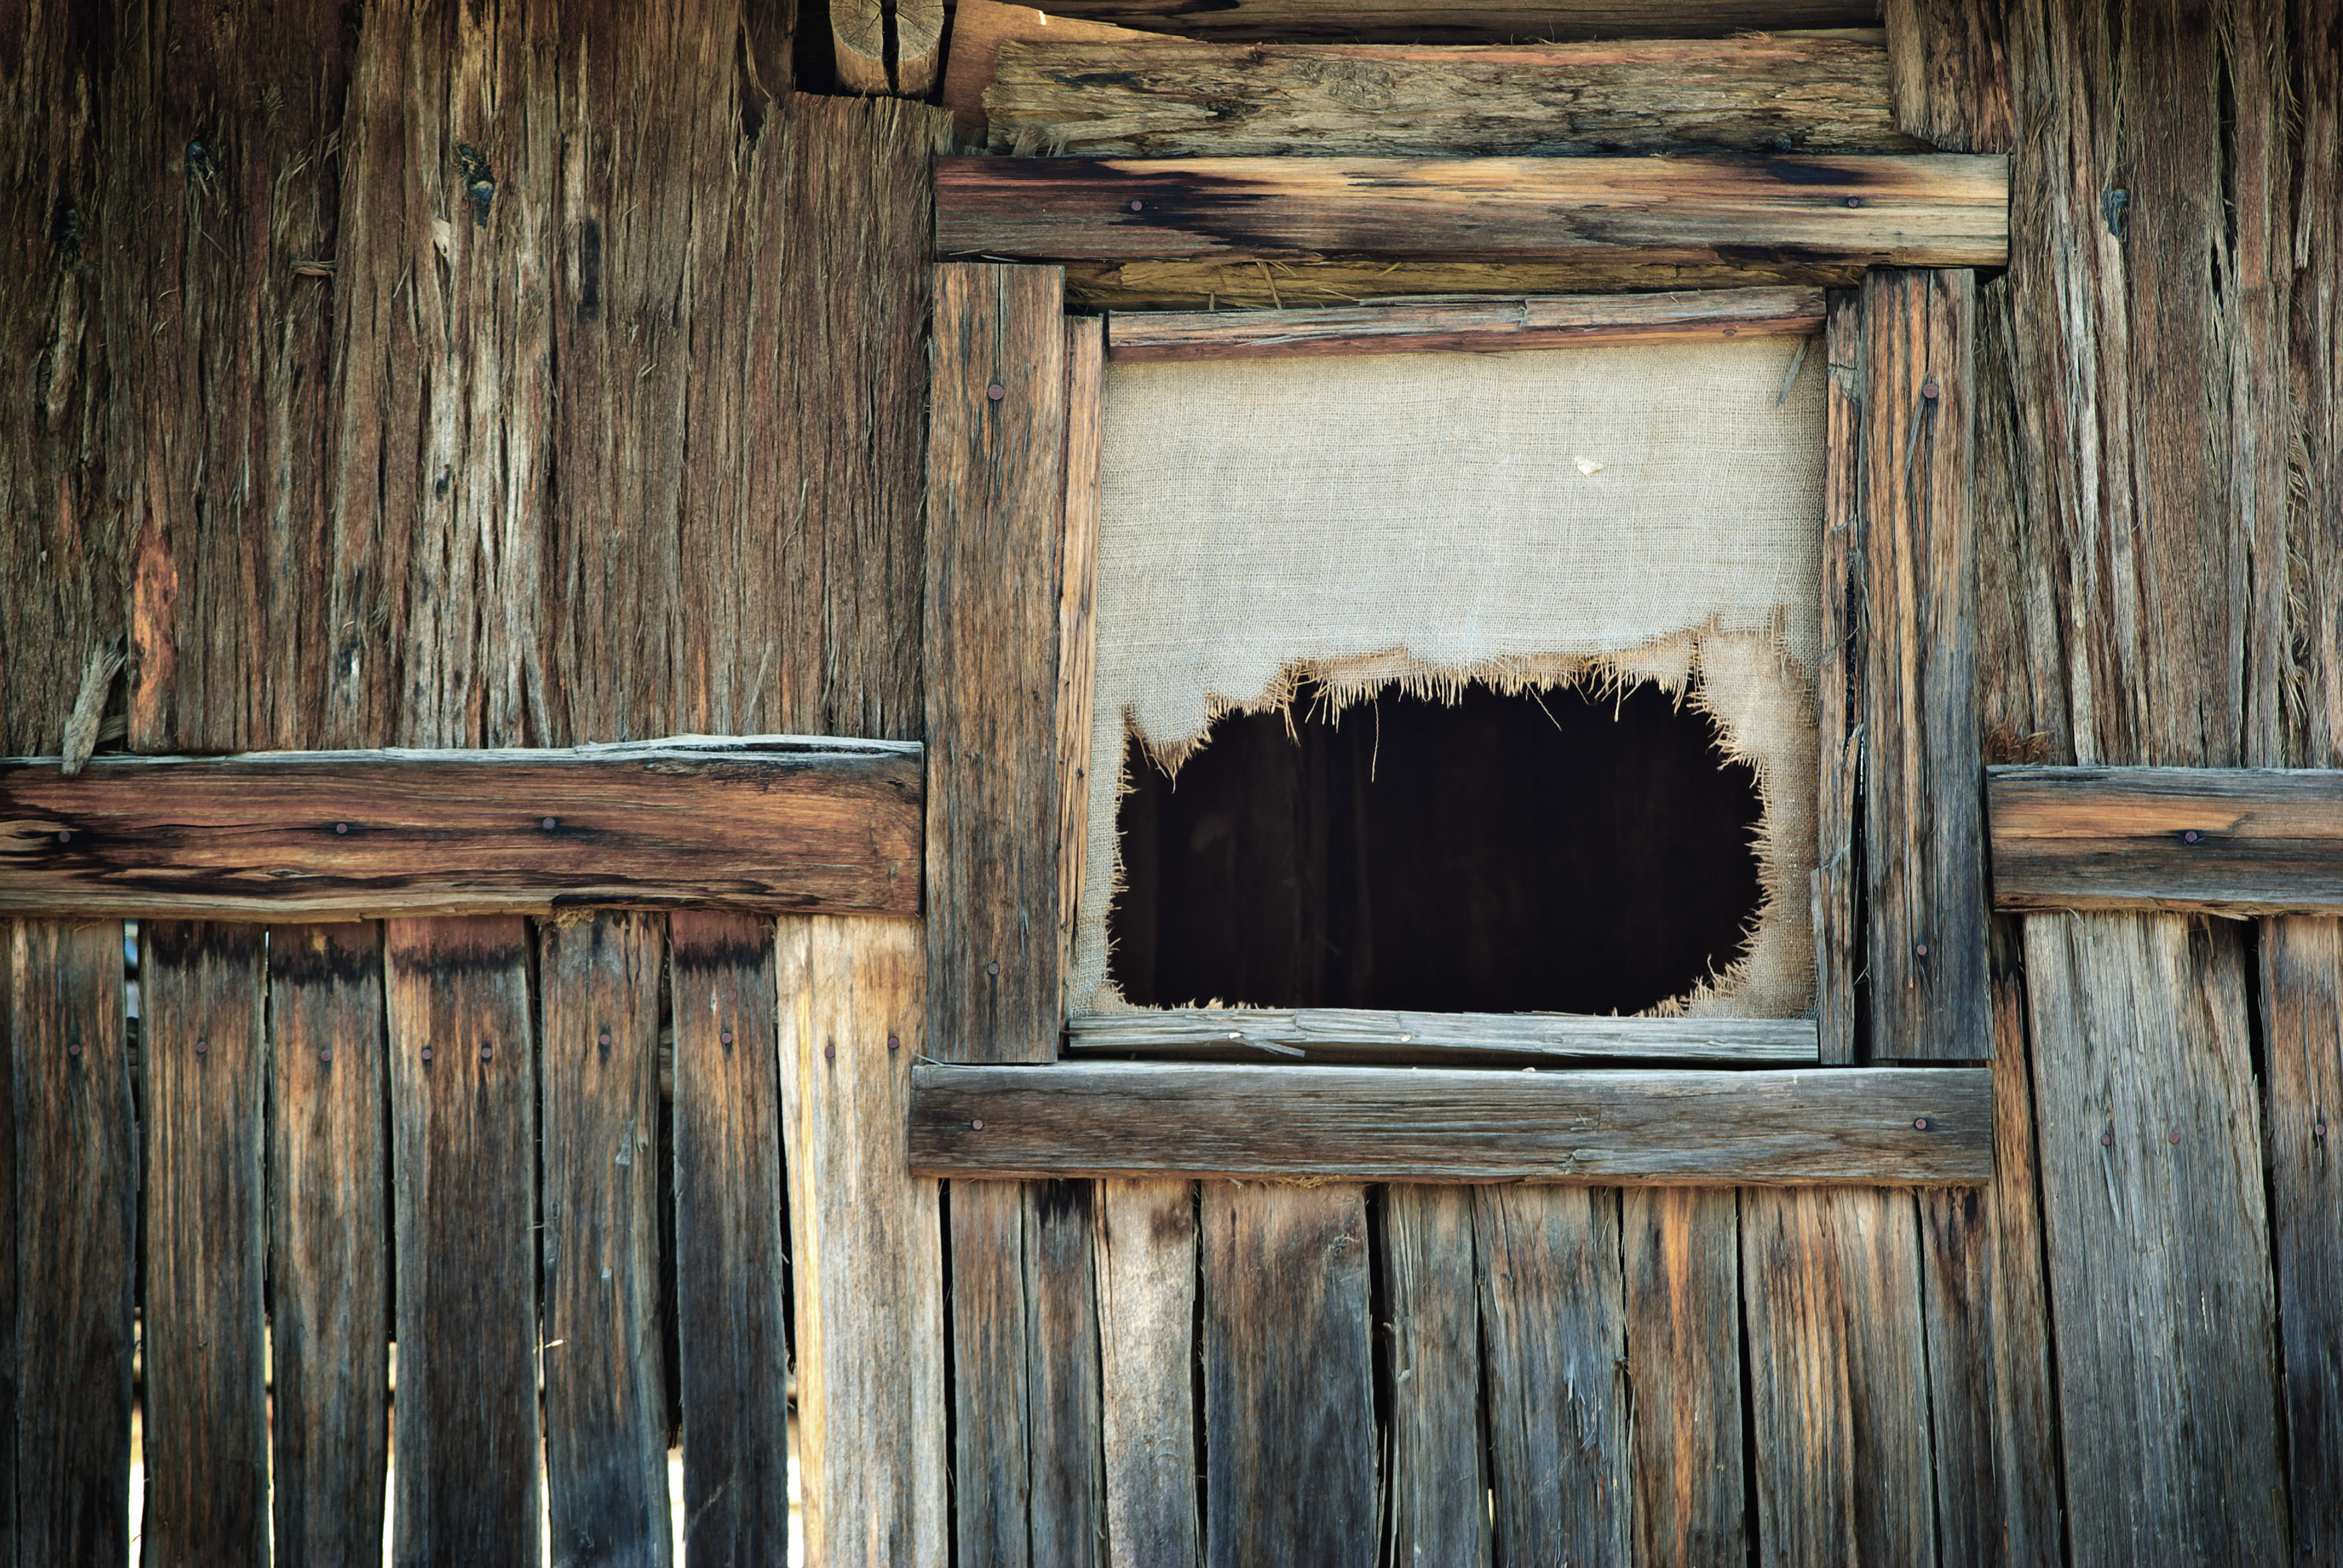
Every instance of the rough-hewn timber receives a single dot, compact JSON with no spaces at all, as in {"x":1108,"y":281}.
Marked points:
{"x":1144,"y":1249}
{"x":1948,"y":62}
{"x":1280,"y":285}
{"x":1436,"y":1466}
{"x":1472,"y":21}
{"x":1680,"y":1249}
{"x":1359,"y":1034}
{"x":1837,"y":939}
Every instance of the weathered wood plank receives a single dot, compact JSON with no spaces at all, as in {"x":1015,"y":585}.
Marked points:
{"x":1336,"y":1034}
{"x":1950,"y":68}
{"x":76,"y":1198}
{"x":1365,"y":1123}
{"x":808,"y":825}
{"x":996,"y":490}
{"x":1553,"y":1334}
{"x":1441,"y":21}
{"x":978,"y":29}
{"x":329,"y":1242}
{"x":206,"y":1437}
{"x":1288,"y":1376}
{"x":1924,"y":844}
{"x":1838,"y":1376}
{"x":2231,"y":840}
{"x":868,"y":1245}
{"x":1086,"y":352}
{"x":1067,"y":1502}
{"x":1838,"y":955}
{"x":1468,"y":325}
{"x":605,"y":1389}
{"x":731,"y":1302}
{"x":1145,"y":1253}
{"x":1681,"y":1262}
{"x":992,"y":1465}
{"x":1437,"y":1470}
{"x":463,"y":1086}
{"x":1164,"y":98}
{"x":1944,"y":211}
{"x":1208,"y":285}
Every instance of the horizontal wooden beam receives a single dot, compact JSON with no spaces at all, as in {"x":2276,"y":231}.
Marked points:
{"x":1356,"y":1034}
{"x":1470,"y":20}
{"x":2231,"y":841}
{"x":1940,"y":210}
{"x":1667,"y":1127}
{"x":812,"y":826}
{"x":1467,"y":326}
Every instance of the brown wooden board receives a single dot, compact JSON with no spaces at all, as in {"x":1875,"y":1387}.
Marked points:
{"x":1554,"y":1355}
{"x":329,"y":1243}
{"x":1436,"y":1468}
{"x":77,"y":1157}
{"x":1438,"y":21}
{"x":1367,"y":1123}
{"x":978,"y":29}
{"x":605,"y":1392}
{"x":1289,"y":1396}
{"x":205,"y":1440}
{"x":992,"y":1455}
{"x":1210,"y":285}
{"x":732,"y":1297}
{"x":1950,"y":68}
{"x":1945,"y":210}
{"x":1924,"y":849}
{"x":1145,"y":1252}
{"x":463,"y":1085}
{"x":1067,"y":1499}
{"x":1086,"y":352}
{"x":995,"y":494}
{"x":808,"y":825}
{"x":1680,"y":1252}
{"x":1365,"y":1034}
{"x":1838,"y":954}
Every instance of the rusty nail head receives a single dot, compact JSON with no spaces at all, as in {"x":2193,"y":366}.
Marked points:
{"x":341,"y":827}
{"x":74,"y":1050}
{"x":829,"y":1053}
{"x":1928,"y":390}
{"x":201,"y":1047}
{"x":893,"y":1043}
{"x":996,"y":392}
{"x":427,"y":1053}
{"x":1139,"y":207}
{"x":2189,"y":837}
{"x":485,"y":1049}
{"x":1854,"y":201}
{"x":2107,"y":1140}
{"x":64,"y":836}
{"x":1920,"y":949}
{"x":725,"y":1038}
{"x":978,"y":1124}
{"x":993,"y":968}
{"x":1920,"y":1123}
{"x":2318,"y":1131}
{"x":549,"y":823}
{"x":605,"y":1037}
{"x":2172,"y":1138}
{"x":324,"y":1056}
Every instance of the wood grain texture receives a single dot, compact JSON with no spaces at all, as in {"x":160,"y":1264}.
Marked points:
{"x":1680,"y":1263}
{"x":2312,"y":604}
{"x":76,"y":1212}
{"x":1208,"y":285}
{"x":867,"y":1245}
{"x":1163,"y":97}
{"x":732,"y":1294}
{"x":1950,"y":70}
{"x":1838,"y":702}
{"x":2230,"y":841}
{"x":1553,"y":1337}
{"x":1923,"y":843}
{"x":1287,"y":1376}
{"x":1086,"y":353}
{"x":1366,"y":1123}
{"x":1360,"y":1034}
{"x":996,"y":490}
{"x":1436,"y":1468}
{"x":978,"y":29}
{"x":1838,"y":1376}
{"x":992,"y":1465}
{"x":1144,"y":1250}
{"x":1940,"y":211}
{"x":463,"y":1086}
{"x":805,"y":825}
{"x":1067,"y":1502}
{"x":329,"y":1243}
{"x":1439,"y":21}
{"x":606,"y":1399}
{"x":205,"y":1440}
{"x":1468,"y":326}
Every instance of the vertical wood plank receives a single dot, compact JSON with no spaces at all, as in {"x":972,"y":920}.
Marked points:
{"x":1949,"y":73}
{"x":1837,"y":943}
{"x":731,"y":1311}
{"x":991,"y":1462}
{"x":1145,"y":1254}
{"x":1681,"y":1259}
{"x":868,"y":1243}
{"x":463,"y":1083}
{"x":1062,"y":1350}
{"x":76,"y":1196}
{"x":1552,"y":1313}
{"x":1924,"y":825}
{"x":1077,"y":628}
{"x":604,"y":1394}
{"x":329,"y":1246}
{"x":1437,"y":1478}
{"x":206,"y":1437}
{"x":996,"y":486}
{"x":1838,"y":1379}
{"x":1288,"y":1398}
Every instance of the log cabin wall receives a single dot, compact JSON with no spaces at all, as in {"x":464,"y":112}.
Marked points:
{"x":532,"y":375}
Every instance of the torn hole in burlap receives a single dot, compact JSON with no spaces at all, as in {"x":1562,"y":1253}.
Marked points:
{"x":1418,"y":523}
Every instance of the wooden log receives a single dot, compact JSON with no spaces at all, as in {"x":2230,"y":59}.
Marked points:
{"x":868,"y":1252}
{"x":1359,"y":1034}
{"x":1838,"y":1377}
{"x":329,"y":1260}
{"x":813,"y":826}
{"x":1163,"y":97}
{"x":888,"y":46}
{"x":1208,"y":285}
{"x":1086,"y":353}
{"x":1428,"y":1124}
{"x":731,"y":1290}
{"x":77,"y":1214}
{"x":1288,"y":1376}
{"x":463,"y":1086}
{"x":606,"y":1399}
{"x":1680,"y":1251}
{"x":2228,"y":840}
{"x":1436,"y":1474}
{"x":858,"y":35}
{"x":1950,"y":69}
{"x":1448,"y":21}
{"x":1838,"y":953}
{"x":1145,"y":1254}
{"x":1924,"y":844}
{"x":978,"y":29}
{"x":206,"y":1437}
{"x":1944,"y":211}
{"x":996,"y":489}
{"x":1468,"y":325}
{"x":1553,"y":1335}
